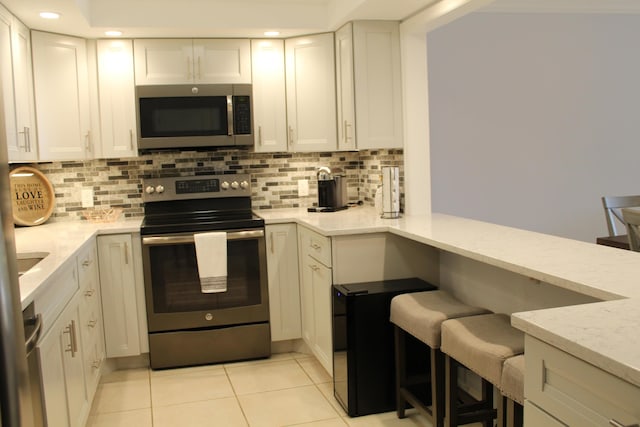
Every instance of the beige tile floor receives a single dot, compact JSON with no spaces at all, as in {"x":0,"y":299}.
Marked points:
{"x":289,"y":389}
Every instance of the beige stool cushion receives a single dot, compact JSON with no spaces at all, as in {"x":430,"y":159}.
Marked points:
{"x":512,"y":383}
{"x":482,"y":343}
{"x":422,"y":313}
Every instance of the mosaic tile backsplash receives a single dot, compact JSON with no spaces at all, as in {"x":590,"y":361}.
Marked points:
{"x":118,"y":182}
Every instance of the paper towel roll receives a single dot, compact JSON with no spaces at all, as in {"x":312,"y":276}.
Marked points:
{"x":390,"y":192}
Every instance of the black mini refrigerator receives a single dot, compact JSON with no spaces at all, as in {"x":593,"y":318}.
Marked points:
{"x":363,"y":345}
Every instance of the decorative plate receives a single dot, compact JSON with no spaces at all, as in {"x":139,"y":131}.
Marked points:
{"x":32,"y":196}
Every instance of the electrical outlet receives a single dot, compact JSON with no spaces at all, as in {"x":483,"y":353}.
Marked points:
{"x":87,"y":197}
{"x":303,"y":187}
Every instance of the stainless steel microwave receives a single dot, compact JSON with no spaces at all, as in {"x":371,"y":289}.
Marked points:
{"x":194,"y":116}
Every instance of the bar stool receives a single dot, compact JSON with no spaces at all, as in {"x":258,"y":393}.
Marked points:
{"x":512,"y":389}
{"x":481,"y":344}
{"x":420,"y":314}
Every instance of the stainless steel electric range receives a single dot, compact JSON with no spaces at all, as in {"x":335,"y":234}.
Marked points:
{"x":186,"y":326}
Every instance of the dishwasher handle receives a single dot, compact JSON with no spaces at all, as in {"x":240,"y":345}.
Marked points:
{"x":32,"y":339}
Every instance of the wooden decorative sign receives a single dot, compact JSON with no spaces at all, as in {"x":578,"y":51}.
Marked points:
{"x":32,"y":196}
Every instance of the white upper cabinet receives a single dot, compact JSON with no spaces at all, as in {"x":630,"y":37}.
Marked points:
{"x":62,"y":97}
{"x":369,"y":106}
{"x":269,"y":96}
{"x":116,"y":88}
{"x":185,"y":61}
{"x":17,"y":88}
{"x":311,"y":93}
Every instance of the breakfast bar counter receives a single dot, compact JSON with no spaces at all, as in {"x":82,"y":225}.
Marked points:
{"x":602,"y":333}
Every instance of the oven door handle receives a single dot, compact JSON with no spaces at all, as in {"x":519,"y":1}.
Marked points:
{"x":188,"y":238}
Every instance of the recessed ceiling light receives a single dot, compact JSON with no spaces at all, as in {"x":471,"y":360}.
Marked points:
{"x":49,"y":15}
{"x":271,"y":33}
{"x":113,"y":33}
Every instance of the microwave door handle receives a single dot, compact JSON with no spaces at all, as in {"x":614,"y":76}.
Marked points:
{"x":230,"y":115}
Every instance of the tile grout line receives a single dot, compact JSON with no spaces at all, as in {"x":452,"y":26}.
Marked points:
{"x":235,"y":395}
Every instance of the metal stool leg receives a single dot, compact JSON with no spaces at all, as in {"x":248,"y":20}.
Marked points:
{"x":401,"y":371}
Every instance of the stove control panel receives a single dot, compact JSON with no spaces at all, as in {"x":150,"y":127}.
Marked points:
{"x":196,"y":187}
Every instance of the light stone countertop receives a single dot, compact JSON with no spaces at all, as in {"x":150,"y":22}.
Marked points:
{"x":61,"y":241}
{"x":603,"y":334}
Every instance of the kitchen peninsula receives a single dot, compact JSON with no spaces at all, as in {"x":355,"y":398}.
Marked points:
{"x":532,"y":274}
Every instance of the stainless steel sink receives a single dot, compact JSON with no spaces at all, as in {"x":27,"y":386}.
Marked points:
{"x":28,"y":260}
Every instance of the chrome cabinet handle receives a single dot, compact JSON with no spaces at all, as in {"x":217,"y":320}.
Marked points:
{"x":126,"y":253}
{"x":96,"y":364}
{"x":273,"y":251}
{"x":87,"y":262}
{"x":87,"y":139}
{"x":131,"y":139}
{"x":199,"y":69}
{"x":27,"y":139}
{"x":615,"y":423}
{"x":89,"y":293}
{"x":73,"y":341}
{"x":315,"y":246}
{"x":345,"y":132}
{"x":314,"y":267}
{"x":27,"y":133}
{"x":92,"y":323}
{"x":290,"y":135}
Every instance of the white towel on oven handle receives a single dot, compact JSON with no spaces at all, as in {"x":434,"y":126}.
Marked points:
{"x":211,"y":255}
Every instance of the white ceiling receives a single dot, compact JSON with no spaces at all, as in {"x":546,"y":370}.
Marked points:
{"x":206,"y":18}
{"x":250,"y":18}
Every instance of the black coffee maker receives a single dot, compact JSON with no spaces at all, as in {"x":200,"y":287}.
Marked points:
{"x":332,"y":190}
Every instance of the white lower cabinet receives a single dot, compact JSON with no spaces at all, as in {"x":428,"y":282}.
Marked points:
{"x":284,"y":284}
{"x":315,"y":294}
{"x":119,"y":295}
{"x":572,"y":392}
{"x":60,"y":354}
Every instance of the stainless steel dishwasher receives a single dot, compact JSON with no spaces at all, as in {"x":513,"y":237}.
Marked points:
{"x":32,"y":329}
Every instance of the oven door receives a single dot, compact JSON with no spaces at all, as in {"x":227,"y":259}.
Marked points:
{"x":172,"y":285}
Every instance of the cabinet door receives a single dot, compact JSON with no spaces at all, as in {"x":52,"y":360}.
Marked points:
{"x":163,"y":61}
{"x":222,"y":61}
{"x":6,"y":83}
{"x":378,"y":88}
{"x":344,"y":88}
{"x":284,"y":285}
{"x":321,"y":285}
{"x":23,"y":84}
{"x":117,"y":98}
{"x":117,"y":282}
{"x":62,"y":96}
{"x":311,"y":93}
{"x":307,"y":306}
{"x":52,"y":376}
{"x":269,"y":99}
{"x":62,"y":372}
{"x":73,"y":361}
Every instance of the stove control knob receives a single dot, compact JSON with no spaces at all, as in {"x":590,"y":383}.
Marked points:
{"x":235,"y":185}
{"x":160,"y":189}
{"x":224,"y":185}
{"x":244,"y":185}
{"x":149,"y":190}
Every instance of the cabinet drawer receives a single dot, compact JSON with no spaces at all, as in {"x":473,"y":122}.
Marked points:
{"x":575,"y":392}
{"x":317,"y":246}
{"x":534,"y":416}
